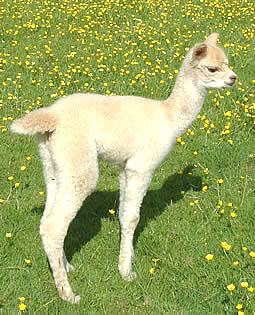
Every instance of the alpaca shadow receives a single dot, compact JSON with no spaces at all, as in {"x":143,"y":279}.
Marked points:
{"x":87,"y":222}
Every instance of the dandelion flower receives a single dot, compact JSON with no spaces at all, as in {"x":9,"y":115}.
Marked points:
{"x":152,"y":270}
{"x":228,"y":247}
{"x":244,"y":284}
{"x":231,"y":287}
{"x":233,"y":214}
{"x":17,"y":185}
{"x":225,"y":245}
{"x":251,"y":289}
{"x":252,"y":254}
{"x":209,"y":257}
{"x":23,"y":168}
{"x":41,"y":193}
{"x":10,"y":178}
{"x":236,"y":263}
{"x":239,"y":306}
{"x":244,"y":249}
{"x":155,"y":259}
{"x":21,"y":299}
{"x":27,"y":261}
{"x":22,"y":307}
{"x":206,"y":171}
{"x":205,"y":188}
{"x":111,"y":211}
{"x":220,"y":181}
{"x":8,"y":235}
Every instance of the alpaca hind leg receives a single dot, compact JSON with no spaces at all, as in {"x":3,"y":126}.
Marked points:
{"x":50,"y":181}
{"x":74,"y":183}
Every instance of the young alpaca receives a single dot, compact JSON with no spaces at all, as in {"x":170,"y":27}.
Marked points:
{"x":134,"y":132}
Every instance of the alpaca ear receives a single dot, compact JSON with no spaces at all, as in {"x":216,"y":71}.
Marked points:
{"x":200,"y":51}
{"x":212,"y":39}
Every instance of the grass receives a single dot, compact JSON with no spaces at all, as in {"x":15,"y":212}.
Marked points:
{"x":202,"y":195}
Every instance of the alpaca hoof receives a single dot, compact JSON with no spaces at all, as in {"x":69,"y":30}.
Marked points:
{"x":76,"y":299}
{"x":129,"y":277}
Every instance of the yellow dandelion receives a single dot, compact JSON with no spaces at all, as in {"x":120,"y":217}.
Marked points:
{"x":111,"y":211}
{"x":10,"y":178}
{"x":228,"y":247}
{"x":22,"y":307}
{"x":27,"y":261}
{"x":225,"y":245}
{"x":17,"y":185}
{"x":244,"y":284}
{"x":155,"y":259}
{"x":252,"y":254}
{"x":22,"y":299}
{"x":220,"y":181}
{"x":236,"y":263}
{"x":23,"y":168}
{"x":231,"y":287}
{"x":209,"y":257}
{"x":251,"y":289}
{"x":41,"y":193}
{"x":152,"y":270}
{"x":239,"y":306}
{"x":233,"y":214}
{"x":8,"y":235}
{"x":205,"y":188}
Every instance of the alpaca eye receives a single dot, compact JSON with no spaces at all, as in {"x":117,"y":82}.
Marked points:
{"x":212,"y":69}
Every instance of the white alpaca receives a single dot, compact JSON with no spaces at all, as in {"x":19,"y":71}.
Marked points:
{"x":134,"y":132}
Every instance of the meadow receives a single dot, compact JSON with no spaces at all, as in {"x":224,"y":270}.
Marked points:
{"x":195,"y":243}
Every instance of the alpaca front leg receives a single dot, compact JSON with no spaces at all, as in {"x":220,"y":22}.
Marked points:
{"x":136,"y":185}
{"x":126,"y":247}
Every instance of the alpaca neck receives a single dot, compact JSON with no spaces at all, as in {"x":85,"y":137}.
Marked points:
{"x":186,"y":99}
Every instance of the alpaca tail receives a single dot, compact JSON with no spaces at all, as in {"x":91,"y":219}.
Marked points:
{"x":38,"y":121}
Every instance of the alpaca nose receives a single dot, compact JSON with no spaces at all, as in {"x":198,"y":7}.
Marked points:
{"x":233,"y":77}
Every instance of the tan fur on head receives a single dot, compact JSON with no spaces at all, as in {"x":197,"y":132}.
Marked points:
{"x":210,"y":64}
{"x":199,"y":52}
{"x":213,"y":39}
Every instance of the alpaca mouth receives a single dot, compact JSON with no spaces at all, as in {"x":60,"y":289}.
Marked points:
{"x":229,"y":84}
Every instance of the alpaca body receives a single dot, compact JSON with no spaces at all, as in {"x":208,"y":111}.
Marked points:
{"x":133,"y":132}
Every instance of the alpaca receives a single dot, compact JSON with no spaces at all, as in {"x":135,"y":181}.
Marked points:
{"x":134,"y":132}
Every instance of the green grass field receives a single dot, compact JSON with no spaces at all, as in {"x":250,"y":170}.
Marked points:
{"x":195,"y":243}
